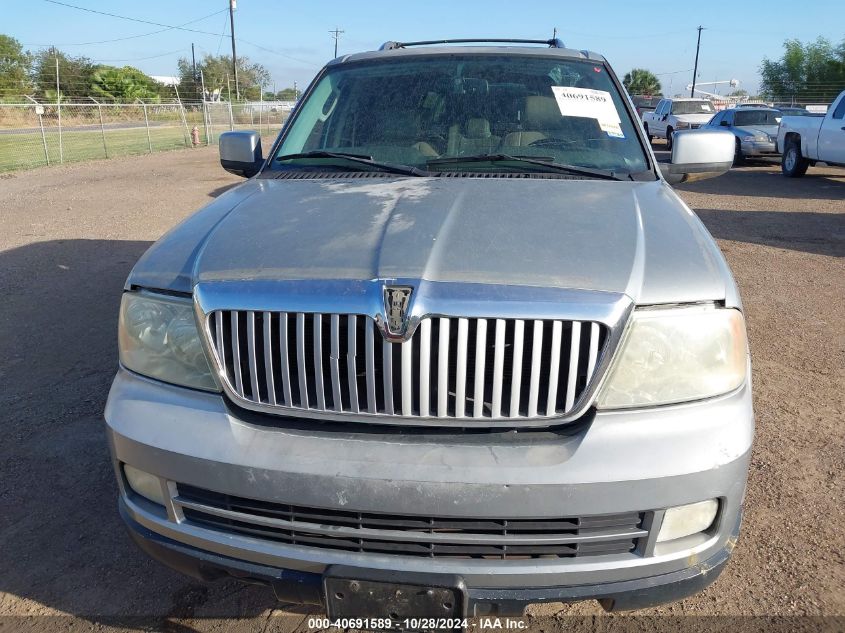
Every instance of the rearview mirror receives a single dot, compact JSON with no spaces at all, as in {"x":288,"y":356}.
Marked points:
{"x":699,"y":154}
{"x":240,"y":153}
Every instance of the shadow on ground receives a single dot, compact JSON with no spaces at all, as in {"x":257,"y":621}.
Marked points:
{"x":822,"y":183}
{"x":63,"y":543}
{"x":818,"y":233}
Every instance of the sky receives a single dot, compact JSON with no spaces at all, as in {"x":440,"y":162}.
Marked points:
{"x":292,"y":39}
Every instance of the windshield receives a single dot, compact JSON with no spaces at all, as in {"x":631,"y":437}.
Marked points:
{"x":417,"y":112}
{"x":757,"y":117}
{"x":692,"y":107}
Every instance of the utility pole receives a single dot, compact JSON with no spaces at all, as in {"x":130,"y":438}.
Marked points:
{"x":336,"y":35}
{"x":194,"y":64}
{"x":695,"y":69}
{"x":232,"y":6}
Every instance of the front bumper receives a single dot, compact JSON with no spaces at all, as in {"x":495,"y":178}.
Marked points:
{"x":758,"y":148}
{"x":616,"y":462}
{"x":293,"y":587}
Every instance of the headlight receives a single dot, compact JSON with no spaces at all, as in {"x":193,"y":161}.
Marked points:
{"x":677,"y":355}
{"x":681,"y":125}
{"x":158,"y":338}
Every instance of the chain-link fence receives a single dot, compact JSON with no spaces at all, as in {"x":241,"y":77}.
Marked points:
{"x":36,"y":134}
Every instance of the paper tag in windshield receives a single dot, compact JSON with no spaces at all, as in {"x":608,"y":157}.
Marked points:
{"x":591,"y":104}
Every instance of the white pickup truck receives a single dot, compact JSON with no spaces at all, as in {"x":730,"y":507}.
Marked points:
{"x":676,"y":114}
{"x":806,"y":140}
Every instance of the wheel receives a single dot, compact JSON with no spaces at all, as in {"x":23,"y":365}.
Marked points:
{"x":669,"y":132}
{"x":648,"y":134}
{"x":739,"y":159}
{"x":793,"y":164}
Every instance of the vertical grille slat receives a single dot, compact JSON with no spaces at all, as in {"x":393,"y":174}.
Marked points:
{"x":351,"y":369}
{"x":284,"y":356}
{"x":554,"y":368}
{"x":536,"y":360}
{"x":236,"y":355}
{"x":480,"y":359}
{"x":218,"y":337}
{"x":461,"y":370}
{"x":425,"y":372}
{"x":498,"y":369}
{"x":300,"y":360}
{"x":318,"y":362}
{"x":334,"y":360}
{"x":443,"y":369}
{"x":407,"y":373}
{"x":516,"y":367}
{"x":448,"y":368}
{"x":594,"y":350}
{"x":267,"y":327}
{"x":573,"y":364}
{"x":387,"y":373}
{"x":253,"y":368}
{"x":370,"y":359}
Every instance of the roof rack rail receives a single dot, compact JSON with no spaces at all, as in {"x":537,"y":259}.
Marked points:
{"x":390,"y":46}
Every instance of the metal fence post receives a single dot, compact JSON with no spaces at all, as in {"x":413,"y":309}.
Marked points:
{"x":147,"y":123}
{"x":59,"y":112}
{"x":39,"y":110}
{"x":206,"y":119}
{"x":184,"y":119}
{"x":231,"y":118}
{"x":102,"y":126}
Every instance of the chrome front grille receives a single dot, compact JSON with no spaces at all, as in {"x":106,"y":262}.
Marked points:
{"x":449,"y":369}
{"x":404,"y":535}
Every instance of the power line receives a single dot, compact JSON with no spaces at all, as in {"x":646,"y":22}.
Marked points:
{"x":138,"y":59}
{"x":133,"y":37}
{"x":181,"y":28}
{"x":124,"y":17}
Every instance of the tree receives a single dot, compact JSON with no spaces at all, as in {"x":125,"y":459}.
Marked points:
{"x":805,"y":72}
{"x":123,"y":84}
{"x":642,"y":82}
{"x":217,"y":75}
{"x":14,"y":69}
{"x":75,"y":75}
{"x":738,"y":93}
{"x":286,"y":94}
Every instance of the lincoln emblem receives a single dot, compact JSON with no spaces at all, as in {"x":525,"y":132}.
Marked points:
{"x":396,"y":300}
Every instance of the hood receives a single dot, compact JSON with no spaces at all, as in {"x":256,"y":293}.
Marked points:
{"x":636,"y":238}
{"x":758,"y":130}
{"x":695,"y":118}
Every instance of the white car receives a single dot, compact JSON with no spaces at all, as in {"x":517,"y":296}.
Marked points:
{"x":805,"y":140}
{"x":677,"y":114}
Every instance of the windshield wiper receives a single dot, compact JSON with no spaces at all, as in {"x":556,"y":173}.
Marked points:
{"x":358,"y":158}
{"x":547,"y":163}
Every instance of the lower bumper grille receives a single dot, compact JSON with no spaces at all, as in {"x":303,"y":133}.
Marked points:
{"x":431,"y":537}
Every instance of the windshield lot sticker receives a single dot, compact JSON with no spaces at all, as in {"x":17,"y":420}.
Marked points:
{"x":592,"y":104}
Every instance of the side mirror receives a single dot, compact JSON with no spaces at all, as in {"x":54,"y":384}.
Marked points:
{"x":699,"y":154}
{"x":724,"y":123}
{"x":240,"y":153}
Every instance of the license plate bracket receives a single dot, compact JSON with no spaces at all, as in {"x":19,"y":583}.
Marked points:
{"x":371,"y":594}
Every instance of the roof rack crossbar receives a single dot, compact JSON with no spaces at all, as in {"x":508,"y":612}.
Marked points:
{"x":553,"y":43}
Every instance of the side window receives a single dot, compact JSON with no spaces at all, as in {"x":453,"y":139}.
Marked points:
{"x":729,"y":118}
{"x":659,"y":110}
{"x":714,"y":122}
{"x":840,"y":109}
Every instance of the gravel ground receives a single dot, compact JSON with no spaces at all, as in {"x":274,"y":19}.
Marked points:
{"x":68,"y":237}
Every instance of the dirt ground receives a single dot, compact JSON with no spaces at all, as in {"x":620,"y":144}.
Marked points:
{"x":68,"y":237}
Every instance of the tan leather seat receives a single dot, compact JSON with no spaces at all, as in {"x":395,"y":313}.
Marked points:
{"x":476,"y":139}
{"x":540,"y":117}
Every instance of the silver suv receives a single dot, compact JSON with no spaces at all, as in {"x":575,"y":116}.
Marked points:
{"x":455,"y":347}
